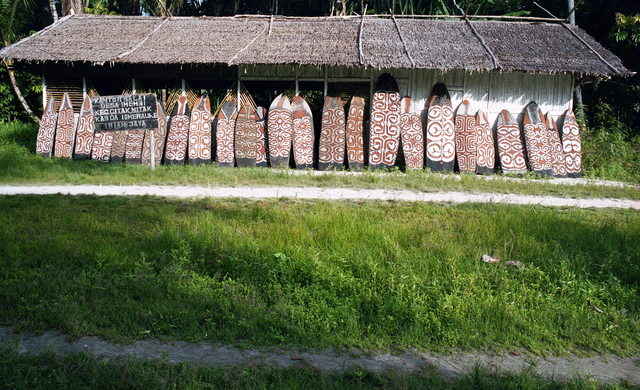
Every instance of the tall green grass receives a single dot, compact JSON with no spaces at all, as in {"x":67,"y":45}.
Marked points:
{"x":20,"y":165}
{"x":315,"y":274}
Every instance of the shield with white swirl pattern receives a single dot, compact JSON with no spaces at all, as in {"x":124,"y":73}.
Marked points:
{"x":199,"y":149}
{"x":557,"y":155}
{"x":303,"y":137}
{"x":536,"y":136}
{"x":246,"y":138}
{"x":280,"y":129}
{"x":84,"y":133}
{"x":510,"y":147}
{"x":354,"y":134}
{"x":441,"y":149}
{"x":486,"y":152}
{"x":384,"y":135}
{"x":332,"y":136}
{"x":411,"y":134}
{"x":65,"y":130}
{"x":466,"y":138}
{"x":47,"y":130}
{"x":571,"y":145}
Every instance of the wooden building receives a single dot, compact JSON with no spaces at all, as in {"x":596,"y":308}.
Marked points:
{"x":494,"y":64}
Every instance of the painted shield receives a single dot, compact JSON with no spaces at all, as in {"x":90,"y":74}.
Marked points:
{"x":84,"y":132}
{"x":225,"y":128}
{"x":571,"y":145}
{"x":159,"y":136}
{"x":510,"y":144}
{"x":303,"y":136}
{"x":199,"y":147}
{"x":102,"y":144}
{"x":486,"y":152}
{"x":177,"y":138}
{"x":47,"y":130}
{"x":557,"y":155}
{"x":384,"y":136}
{"x":262,"y":146}
{"x":246,"y":137}
{"x":332,"y":135}
{"x":411,"y":134}
{"x":536,"y":137}
{"x":441,"y":149}
{"x":466,"y":138}
{"x":119,"y":146}
{"x":133,"y":150}
{"x":65,"y":131}
{"x":279,"y":130}
{"x":354,"y":134}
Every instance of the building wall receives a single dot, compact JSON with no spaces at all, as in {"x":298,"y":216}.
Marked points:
{"x":491,"y":91}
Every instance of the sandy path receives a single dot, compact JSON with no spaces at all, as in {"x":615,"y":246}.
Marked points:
{"x":319,"y":193}
{"x":603,"y":368}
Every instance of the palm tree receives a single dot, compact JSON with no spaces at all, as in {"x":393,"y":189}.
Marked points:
{"x":13,"y":19}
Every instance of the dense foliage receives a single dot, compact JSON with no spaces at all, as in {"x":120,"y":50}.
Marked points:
{"x":610,"y":149}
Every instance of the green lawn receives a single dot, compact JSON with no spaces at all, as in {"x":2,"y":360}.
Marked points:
{"x":371,"y":275}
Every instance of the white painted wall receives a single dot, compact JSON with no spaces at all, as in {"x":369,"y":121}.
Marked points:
{"x":490,"y":91}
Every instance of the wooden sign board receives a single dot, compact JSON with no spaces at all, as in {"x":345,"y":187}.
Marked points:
{"x":125,"y":112}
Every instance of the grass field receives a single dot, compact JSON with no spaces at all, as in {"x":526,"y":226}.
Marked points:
{"x":80,"y":371}
{"x":313,"y":274}
{"x":20,"y":165}
{"x":371,"y":275}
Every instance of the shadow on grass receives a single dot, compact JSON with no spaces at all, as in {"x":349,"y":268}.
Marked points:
{"x":315,"y":274}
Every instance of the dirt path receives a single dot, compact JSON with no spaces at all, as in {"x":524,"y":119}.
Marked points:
{"x":603,"y":368}
{"x":319,"y":193}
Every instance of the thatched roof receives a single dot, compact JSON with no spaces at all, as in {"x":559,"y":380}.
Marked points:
{"x":345,"y":41}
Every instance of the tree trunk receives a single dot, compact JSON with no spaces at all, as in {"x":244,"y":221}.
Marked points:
{"x":16,"y":89}
{"x":54,"y":12}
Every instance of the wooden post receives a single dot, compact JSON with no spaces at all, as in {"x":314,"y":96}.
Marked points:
{"x":371,"y":91}
{"x":153,"y":152}
{"x":326,"y":82}
{"x":238,"y":91}
{"x":44,"y":92}
{"x":84,"y":87}
{"x":184,"y":88}
{"x":133,"y":86}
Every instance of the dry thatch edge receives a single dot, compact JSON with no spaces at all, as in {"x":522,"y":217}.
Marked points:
{"x":44,"y":30}
{"x":592,"y":49}
{"x":382,"y":16}
{"x":376,"y":64}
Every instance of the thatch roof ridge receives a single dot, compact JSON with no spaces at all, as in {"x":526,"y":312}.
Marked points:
{"x":385,"y":42}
